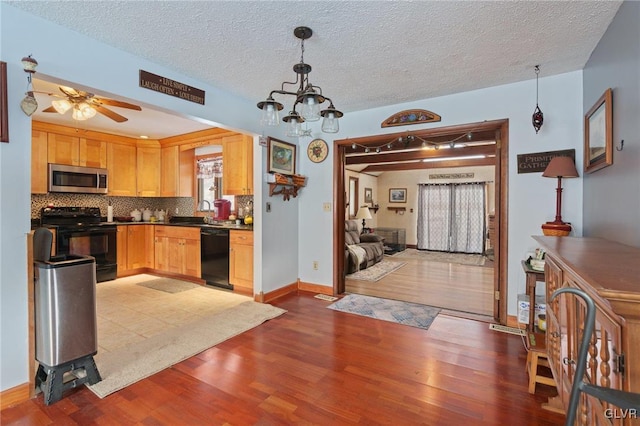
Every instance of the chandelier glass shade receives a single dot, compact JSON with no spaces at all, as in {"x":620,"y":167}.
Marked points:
{"x":308,"y":97}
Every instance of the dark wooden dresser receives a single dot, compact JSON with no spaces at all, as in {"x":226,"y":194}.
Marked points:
{"x":609,"y":272}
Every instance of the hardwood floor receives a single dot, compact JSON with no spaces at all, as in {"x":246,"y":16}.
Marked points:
{"x":314,"y":365}
{"x":452,"y":286}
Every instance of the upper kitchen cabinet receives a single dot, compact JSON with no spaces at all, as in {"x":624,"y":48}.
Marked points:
{"x":148,"y":170}
{"x":63,"y":149}
{"x":237,"y":173}
{"x":74,"y":151}
{"x":176,"y":172}
{"x":39,"y":172}
{"x":121,"y":164}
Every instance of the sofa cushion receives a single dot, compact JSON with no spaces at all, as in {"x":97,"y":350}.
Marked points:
{"x":351,"y":233}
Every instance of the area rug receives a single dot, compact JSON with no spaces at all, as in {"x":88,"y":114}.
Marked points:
{"x":129,"y":364}
{"x":377,"y":271}
{"x":168,"y":285}
{"x":142,"y":330}
{"x":406,"y":313}
{"x":437,"y":256}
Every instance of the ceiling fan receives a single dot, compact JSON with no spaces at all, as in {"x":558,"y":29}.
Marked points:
{"x":85,"y":105}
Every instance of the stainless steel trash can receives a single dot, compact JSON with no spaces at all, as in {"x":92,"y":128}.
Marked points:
{"x":65,"y":324}
{"x":65,"y":308}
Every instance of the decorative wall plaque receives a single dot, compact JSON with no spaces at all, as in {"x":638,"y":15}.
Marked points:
{"x":538,"y":161}
{"x":171,"y":87}
{"x":411,"y":116}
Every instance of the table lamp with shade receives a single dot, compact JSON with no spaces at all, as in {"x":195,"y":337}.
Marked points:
{"x":559,"y":167}
{"x":363,"y":213}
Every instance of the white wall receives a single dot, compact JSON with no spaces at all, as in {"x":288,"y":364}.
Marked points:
{"x":531,"y":197}
{"x":69,"y":56}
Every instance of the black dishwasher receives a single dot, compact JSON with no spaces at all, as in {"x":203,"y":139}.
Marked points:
{"x":214,"y":256}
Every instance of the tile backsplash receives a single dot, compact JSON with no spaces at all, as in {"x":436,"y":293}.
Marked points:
{"x":122,"y":206}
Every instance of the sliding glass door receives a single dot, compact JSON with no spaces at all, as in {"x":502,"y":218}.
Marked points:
{"x":451,"y":217}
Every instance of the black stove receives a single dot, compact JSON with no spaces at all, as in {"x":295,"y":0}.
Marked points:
{"x":80,"y":231}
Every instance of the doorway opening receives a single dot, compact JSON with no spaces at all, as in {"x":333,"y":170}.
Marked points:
{"x":495,"y":153}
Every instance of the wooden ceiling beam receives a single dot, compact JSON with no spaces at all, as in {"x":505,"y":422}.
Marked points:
{"x":419,"y":165}
{"x":388,"y":157}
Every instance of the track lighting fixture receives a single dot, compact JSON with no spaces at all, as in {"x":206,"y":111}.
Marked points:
{"x":308,"y":96}
{"x":407,"y":141}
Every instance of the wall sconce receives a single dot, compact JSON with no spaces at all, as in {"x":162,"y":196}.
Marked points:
{"x":29,"y":104}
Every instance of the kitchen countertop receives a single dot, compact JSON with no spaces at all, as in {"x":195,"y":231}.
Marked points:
{"x":191,"y":225}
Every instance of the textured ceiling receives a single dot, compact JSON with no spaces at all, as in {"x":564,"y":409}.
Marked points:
{"x":364,"y":54}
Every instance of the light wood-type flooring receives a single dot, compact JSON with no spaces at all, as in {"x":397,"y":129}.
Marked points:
{"x":314,"y":365}
{"x":463,"y":288}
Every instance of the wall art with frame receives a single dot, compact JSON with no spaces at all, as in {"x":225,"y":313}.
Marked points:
{"x":598,"y":134}
{"x":397,"y":195}
{"x":281,"y":157}
{"x":4,"y":110}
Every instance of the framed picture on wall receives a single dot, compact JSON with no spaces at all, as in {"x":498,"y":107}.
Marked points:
{"x":598,"y":134}
{"x":397,"y":195}
{"x":281,"y":157}
{"x":368,"y":196}
{"x":4,"y":114}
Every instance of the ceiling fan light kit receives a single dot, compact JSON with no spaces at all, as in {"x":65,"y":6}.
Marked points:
{"x":309,"y":97}
{"x":85,"y":105}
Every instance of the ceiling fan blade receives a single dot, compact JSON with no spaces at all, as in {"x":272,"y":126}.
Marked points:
{"x":112,"y":115}
{"x":113,"y":102}
{"x":50,"y":109}
{"x":70,"y":91}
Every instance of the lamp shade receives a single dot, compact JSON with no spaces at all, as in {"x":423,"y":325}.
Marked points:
{"x":364,"y":213}
{"x":562,"y":167}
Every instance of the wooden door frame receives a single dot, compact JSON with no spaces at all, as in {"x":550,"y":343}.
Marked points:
{"x":501,"y":127}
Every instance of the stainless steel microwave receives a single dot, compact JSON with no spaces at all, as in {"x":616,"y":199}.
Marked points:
{"x":84,"y":180}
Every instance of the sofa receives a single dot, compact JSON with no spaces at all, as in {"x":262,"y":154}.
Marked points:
{"x":361,"y":250}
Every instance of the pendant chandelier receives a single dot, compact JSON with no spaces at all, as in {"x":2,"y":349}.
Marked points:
{"x":537,"y":118}
{"x":309,"y":97}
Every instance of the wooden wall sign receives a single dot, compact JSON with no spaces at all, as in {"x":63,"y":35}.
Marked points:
{"x":537,"y":162}
{"x":411,"y":116}
{"x":171,"y":87}
{"x":452,"y":176}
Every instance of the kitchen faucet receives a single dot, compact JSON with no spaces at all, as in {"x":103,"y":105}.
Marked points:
{"x":207,"y":219}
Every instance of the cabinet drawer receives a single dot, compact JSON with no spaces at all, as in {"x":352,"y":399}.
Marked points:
{"x":241,"y":237}
{"x":187,"y":233}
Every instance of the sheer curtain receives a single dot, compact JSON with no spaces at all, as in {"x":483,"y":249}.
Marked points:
{"x":451,"y":217}
{"x":434,"y":217}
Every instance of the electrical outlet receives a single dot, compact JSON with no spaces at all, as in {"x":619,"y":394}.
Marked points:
{"x":326,"y":207}
{"x":315,"y":265}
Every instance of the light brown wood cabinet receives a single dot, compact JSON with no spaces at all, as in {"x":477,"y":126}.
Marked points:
{"x":148,"y":171}
{"x":177,"y":250}
{"x":121,"y":249}
{"x":237,"y":154}
{"x":139,"y":251}
{"x":39,"y":153}
{"x":121,"y":164}
{"x":177,"y":172}
{"x":241,"y":259}
{"x":75,"y":151}
{"x":608,"y":272}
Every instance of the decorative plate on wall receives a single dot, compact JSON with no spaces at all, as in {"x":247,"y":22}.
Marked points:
{"x":317,"y":150}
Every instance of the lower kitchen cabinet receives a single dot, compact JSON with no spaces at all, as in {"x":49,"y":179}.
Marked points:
{"x":177,"y":250}
{"x":241,"y":259}
{"x":134,"y":248}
